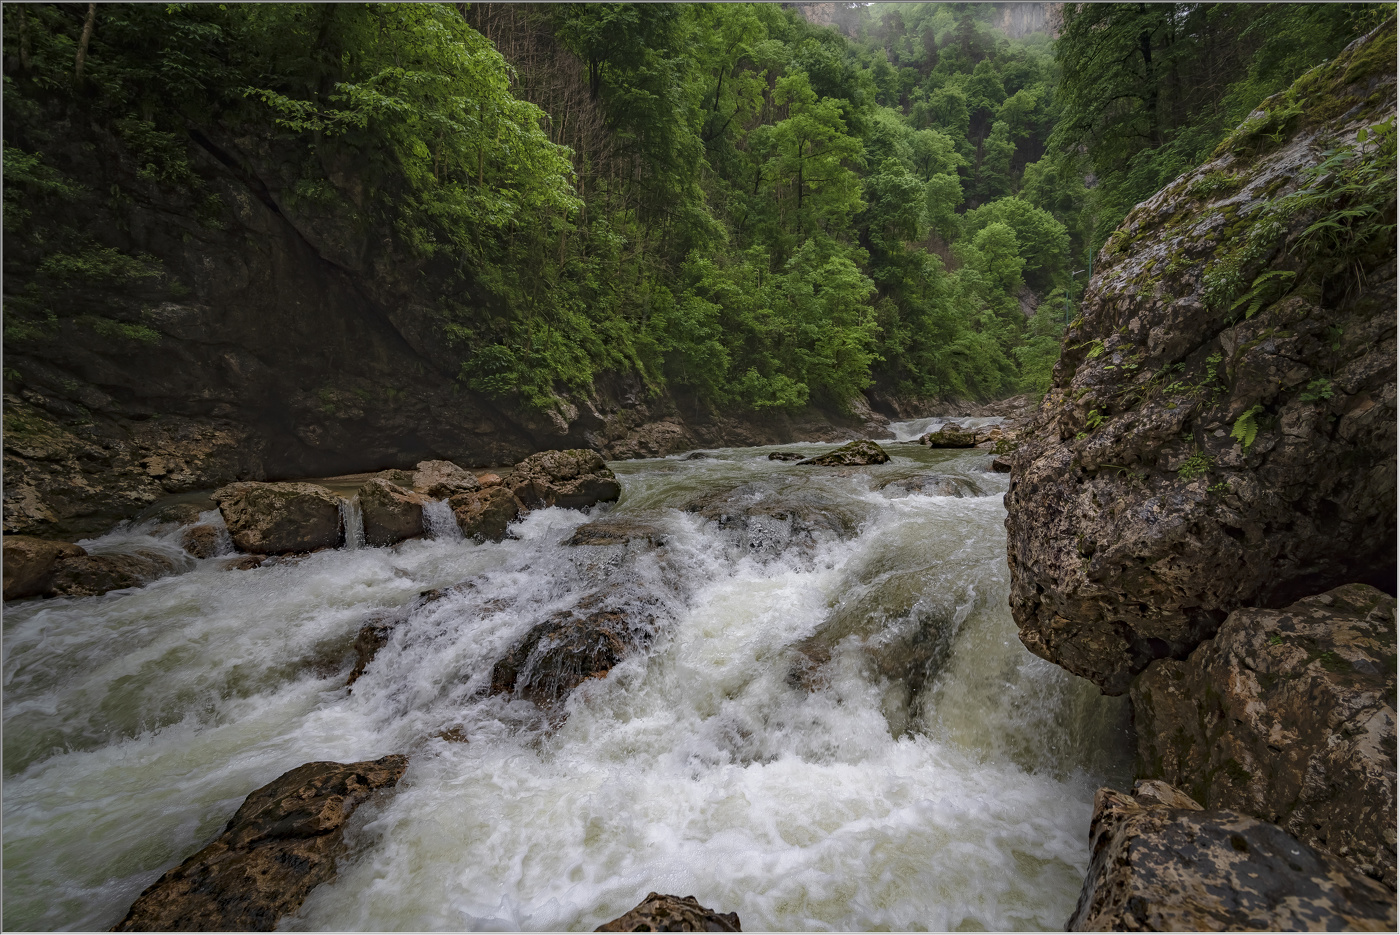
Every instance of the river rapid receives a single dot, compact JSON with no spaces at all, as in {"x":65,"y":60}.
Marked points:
{"x":829,"y":725}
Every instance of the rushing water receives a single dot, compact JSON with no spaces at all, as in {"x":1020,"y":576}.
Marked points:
{"x":770,"y":749}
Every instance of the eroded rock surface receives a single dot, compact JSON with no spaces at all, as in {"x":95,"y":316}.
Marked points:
{"x":616,"y":531}
{"x":391,"y":512}
{"x":442,"y":479}
{"x":574,"y":478}
{"x":934,"y":485}
{"x":202,"y":540}
{"x":951,"y":435}
{"x":30,"y":563}
{"x":766,"y":519}
{"x":1288,"y":715}
{"x":1190,"y":458}
{"x":1160,"y":864}
{"x":856,"y":454}
{"x":658,"y":913}
{"x":485,"y":514}
{"x":89,"y":575}
{"x":282,"y":842}
{"x":279,"y":518}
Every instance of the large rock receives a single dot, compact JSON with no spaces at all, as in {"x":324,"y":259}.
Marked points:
{"x":391,"y":513}
{"x":282,"y":842}
{"x":88,"y":575}
{"x":443,"y":479}
{"x":768,"y":518}
{"x":1287,"y":715}
{"x":658,"y":913}
{"x":202,"y":540}
{"x":486,"y":514}
{"x":575,"y":478}
{"x":1161,"y":864}
{"x":30,"y":564}
{"x":856,"y":454}
{"x":1190,"y":457}
{"x":567,"y":650}
{"x":278,"y":518}
{"x":950,"y":435}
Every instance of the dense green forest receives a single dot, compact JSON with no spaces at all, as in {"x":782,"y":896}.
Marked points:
{"x":733,"y":203}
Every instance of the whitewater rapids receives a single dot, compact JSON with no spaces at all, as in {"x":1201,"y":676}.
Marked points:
{"x":136,"y":722}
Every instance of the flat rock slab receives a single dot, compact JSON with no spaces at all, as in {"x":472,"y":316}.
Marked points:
{"x":856,"y":454}
{"x":1287,"y":715}
{"x":658,"y":913}
{"x":281,"y":843}
{"x":279,"y":518}
{"x":1161,"y":866}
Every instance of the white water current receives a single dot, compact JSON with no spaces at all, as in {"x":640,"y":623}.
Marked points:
{"x":770,"y":749}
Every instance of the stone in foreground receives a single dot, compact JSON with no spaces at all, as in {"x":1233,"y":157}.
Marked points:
{"x":858,"y":453}
{"x":30,"y":563}
{"x":1160,"y":863}
{"x":268,"y":519}
{"x":391,"y":513}
{"x":485,"y":514}
{"x":280,"y":844}
{"x":658,"y":913}
{"x":574,"y":479}
{"x":565,"y":651}
{"x":1287,"y":715}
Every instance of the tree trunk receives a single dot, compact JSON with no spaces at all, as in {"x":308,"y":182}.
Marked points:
{"x":83,"y":42}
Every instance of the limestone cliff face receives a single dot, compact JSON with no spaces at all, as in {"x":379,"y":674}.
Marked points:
{"x":1221,"y":429}
{"x":301,"y":342}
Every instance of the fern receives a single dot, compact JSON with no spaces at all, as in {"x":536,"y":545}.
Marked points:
{"x":1246,"y":428}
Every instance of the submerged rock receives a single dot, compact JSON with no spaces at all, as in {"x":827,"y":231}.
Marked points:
{"x":615,"y":531}
{"x":30,"y":563}
{"x":1190,"y":458}
{"x":89,"y":575}
{"x":1287,"y":715}
{"x":935,"y":485}
{"x":658,"y":913}
{"x":391,"y":512}
{"x":202,"y":540}
{"x":950,"y":435}
{"x":784,"y":456}
{"x":857,"y":453}
{"x":282,"y":842}
{"x":1160,"y":864}
{"x":767,"y":519}
{"x":279,"y":518}
{"x":574,"y":479}
{"x":568,"y":649}
{"x":486,"y":514}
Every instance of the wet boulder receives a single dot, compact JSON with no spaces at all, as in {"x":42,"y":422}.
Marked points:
{"x":1190,"y":459}
{"x":391,"y":513}
{"x":1160,"y":863}
{"x":784,"y":456}
{"x":202,"y":540}
{"x":266,"y":518}
{"x":369,"y":641}
{"x":766,"y":518}
{"x":950,"y":435}
{"x":1287,"y":715}
{"x":658,"y":913}
{"x":485,"y":514}
{"x":616,"y":531}
{"x":89,"y":575}
{"x":283,"y":841}
{"x":934,"y":485}
{"x":575,"y":478}
{"x":30,"y":563}
{"x":567,"y":650}
{"x":443,"y":479}
{"x":858,"y":453}
{"x":1001,"y":465}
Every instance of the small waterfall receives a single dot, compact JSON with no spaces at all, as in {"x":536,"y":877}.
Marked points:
{"x":352,"y":520}
{"x":439,"y":522}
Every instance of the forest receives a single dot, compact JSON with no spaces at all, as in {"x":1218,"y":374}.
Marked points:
{"x":726,"y":200}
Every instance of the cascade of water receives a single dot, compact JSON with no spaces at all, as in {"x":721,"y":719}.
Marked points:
{"x":439,"y":522}
{"x":352,"y":522}
{"x":836,"y":730}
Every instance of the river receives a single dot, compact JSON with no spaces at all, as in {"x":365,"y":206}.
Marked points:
{"x":831,"y":726}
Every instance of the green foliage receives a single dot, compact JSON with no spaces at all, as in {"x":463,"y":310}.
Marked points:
{"x":1246,"y":428}
{"x":1316,"y":391}
{"x":1195,"y":466}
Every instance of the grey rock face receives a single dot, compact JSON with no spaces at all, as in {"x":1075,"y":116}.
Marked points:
{"x":658,"y":913}
{"x":1189,"y":460}
{"x":279,"y":518}
{"x":282,"y":842}
{"x":1160,"y":863}
{"x":1287,"y":715}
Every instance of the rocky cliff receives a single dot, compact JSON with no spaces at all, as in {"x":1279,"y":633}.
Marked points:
{"x":1221,"y":429}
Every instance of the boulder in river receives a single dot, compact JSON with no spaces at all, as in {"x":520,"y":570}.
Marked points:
{"x":658,"y":913}
{"x":202,"y":540}
{"x":575,"y":478}
{"x":1220,"y":431}
{"x":1160,"y":864}
{"x":443,"y":479}
{"x":934,"y":485}
{"x":950,"y":435}
{"x":567,"y":650}
{"x":616,"y":531}
{"x":784,"y":456}
{"x":391,"y":512}
{"x":767,"y":518}
{"x":88,"y":575}
{"x":277,"y":518}
{"x":30,"y":563}
{"x":858,"y":453}
{"x":485,"y":514}
{"x":1287,"y":715}
{"x":282,"y":842}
